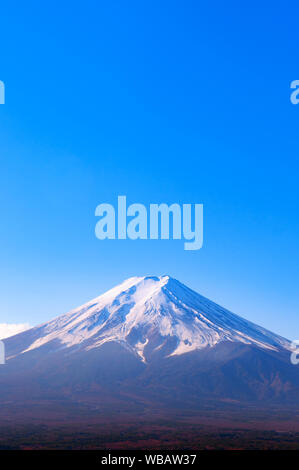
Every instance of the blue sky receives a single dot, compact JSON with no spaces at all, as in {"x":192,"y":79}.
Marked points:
{"x":184,"y":102}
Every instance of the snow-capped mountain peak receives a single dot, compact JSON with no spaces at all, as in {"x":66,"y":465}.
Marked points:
{"x":150,"y":314}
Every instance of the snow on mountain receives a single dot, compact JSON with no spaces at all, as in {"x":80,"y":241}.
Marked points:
{"x":148,"y":312}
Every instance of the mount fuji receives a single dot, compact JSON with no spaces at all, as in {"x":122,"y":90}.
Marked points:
{"x":153,"y":341}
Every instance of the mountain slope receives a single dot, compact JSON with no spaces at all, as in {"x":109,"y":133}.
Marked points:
{"x":145,"y":313}
{"x":149,"y":340}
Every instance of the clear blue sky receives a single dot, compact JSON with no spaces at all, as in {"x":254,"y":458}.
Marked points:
{"x":163,"y":102}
